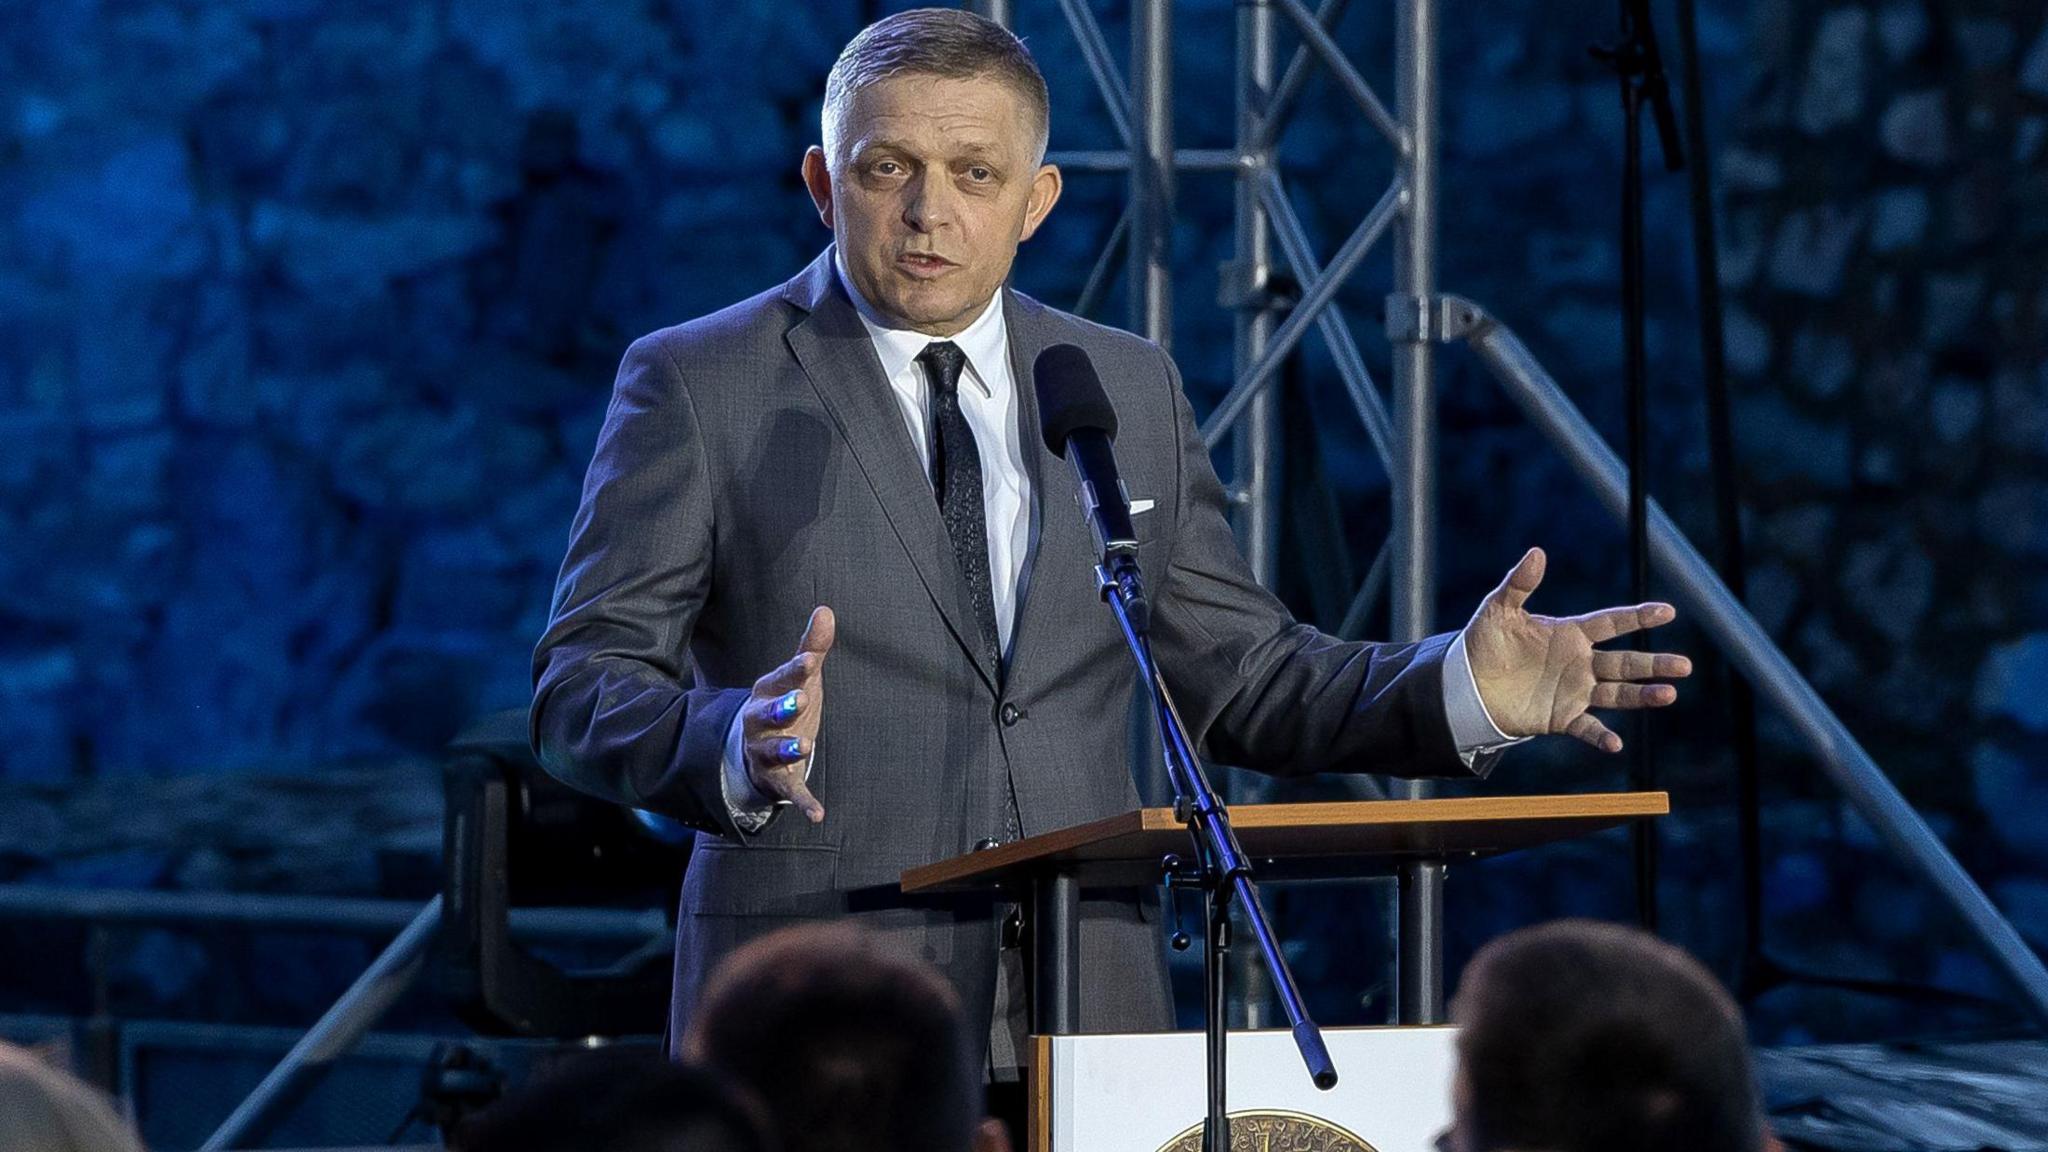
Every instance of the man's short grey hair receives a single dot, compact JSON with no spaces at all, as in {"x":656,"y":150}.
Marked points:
{"x":945,"y":42}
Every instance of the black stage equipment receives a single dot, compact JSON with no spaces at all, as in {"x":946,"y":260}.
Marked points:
{"x":515,"y":836}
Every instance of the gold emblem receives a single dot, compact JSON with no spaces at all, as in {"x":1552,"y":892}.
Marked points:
{"x":1275,"y":1131}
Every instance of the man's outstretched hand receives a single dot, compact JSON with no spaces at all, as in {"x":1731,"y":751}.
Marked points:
{"x":780,"y":719}
{"x":1539,"y":674}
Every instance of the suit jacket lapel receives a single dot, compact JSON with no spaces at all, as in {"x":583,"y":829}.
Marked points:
{"x":1059,"y":576}
{"x":836,"y":354}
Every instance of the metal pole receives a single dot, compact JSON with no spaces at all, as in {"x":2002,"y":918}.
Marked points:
{"x":1324,"y":45}
{"x":1149,"y":270}
{"x":1000,"y":11}
{"x":1419,"y":978}
{"x":374,"y":992}
{"x":1316,"y":298}
{"x":1414,"y":361}
{"x":1281,"y":107}
{"x":1184,"y":160}
{"x":1336,"y":330}
{"x":1109,"y":84}
{"x":1750,"y":649}
{"x":1755,"y":972}
{"x":1151,"y":239}
{"x":121,"y":907}
{"x":1216,"y":964}
{"x":1419,"y":956}
{"x":1637,"y":68}
{"x":1105,"y":266}
{"x":1056,"y":954}
{"x":1255,"y":446}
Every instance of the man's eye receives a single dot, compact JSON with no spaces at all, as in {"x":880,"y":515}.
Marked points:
{"x":886,"y":168}
{"x":980,"y":175}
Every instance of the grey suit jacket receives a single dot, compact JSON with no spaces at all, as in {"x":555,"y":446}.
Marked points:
{"x":753,"y":464}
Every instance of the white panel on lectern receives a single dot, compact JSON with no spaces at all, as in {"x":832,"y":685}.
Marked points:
{"x":1138,"y":1093}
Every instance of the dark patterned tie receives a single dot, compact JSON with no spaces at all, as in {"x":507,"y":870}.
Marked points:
{"x":956,"y":480}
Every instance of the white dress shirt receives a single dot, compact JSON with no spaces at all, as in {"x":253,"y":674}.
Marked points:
{"x":988,"y":399}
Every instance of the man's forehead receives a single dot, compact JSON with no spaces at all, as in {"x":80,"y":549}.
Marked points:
{"x":876,"y":136}
{"x":967,"y":113}
{"x":932,"y":88}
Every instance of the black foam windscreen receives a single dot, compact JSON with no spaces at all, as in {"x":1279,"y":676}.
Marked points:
{"x":1070,"y":397}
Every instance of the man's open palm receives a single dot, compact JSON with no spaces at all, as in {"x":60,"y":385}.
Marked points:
{"x":1539,"y":674}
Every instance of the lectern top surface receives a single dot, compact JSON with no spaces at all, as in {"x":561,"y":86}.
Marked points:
{"x":1296,"y":840}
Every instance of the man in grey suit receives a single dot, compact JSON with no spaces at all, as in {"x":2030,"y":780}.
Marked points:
{"x":837,"y":489}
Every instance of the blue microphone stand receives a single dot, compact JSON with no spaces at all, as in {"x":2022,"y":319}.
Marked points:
{"x":1219,"y":869}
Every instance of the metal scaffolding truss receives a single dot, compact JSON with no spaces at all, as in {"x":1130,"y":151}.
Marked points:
{"x":1417,"y":319}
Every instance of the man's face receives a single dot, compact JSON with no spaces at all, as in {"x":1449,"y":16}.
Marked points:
{"x":936,"y":185}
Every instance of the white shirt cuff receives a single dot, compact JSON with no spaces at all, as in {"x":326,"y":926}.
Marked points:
{"x":1472,"y":728}
{"x":750,"y":808}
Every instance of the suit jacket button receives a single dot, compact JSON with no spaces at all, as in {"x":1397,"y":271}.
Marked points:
{"x":1011,"y":714}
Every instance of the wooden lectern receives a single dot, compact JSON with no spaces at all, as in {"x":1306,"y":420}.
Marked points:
{"x":1285,"y":842}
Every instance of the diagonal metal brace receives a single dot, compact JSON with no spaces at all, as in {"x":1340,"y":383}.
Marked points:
{"x":1287,"y":94}
{"x":1315,"y":297}
{"x":1319,"y":40}
{"x":1116,"y":94}
{"x":1750,"y":649}
{"x":1351,"y":369}
{"x":330,"y":1038}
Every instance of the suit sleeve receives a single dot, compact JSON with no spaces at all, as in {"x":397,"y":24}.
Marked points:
{"x":1262,"y":691}
{"x":612,"y":714}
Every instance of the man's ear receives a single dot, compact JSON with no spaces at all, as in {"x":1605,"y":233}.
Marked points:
{"x":818,"y":179}
{"x":1045,"y":192}
{"x":990,"y":1136}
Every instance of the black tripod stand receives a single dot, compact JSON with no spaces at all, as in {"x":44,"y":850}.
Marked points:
{"x":1639,"y":65}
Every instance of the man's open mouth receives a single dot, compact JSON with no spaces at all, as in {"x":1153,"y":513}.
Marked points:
{"x":924,"y":263}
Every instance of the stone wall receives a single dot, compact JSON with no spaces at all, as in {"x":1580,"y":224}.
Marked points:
{"x":1887,"y":222}
{"x":308,"y":320}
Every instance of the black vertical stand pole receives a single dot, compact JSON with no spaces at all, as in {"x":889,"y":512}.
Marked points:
{"x":1216,"y":976}
{"x":1755,"y":972}
{"x":1640,"y":69}
{"x":1420,"y":961}
{"x":1055,"y":953}
{"x":1642,"y":839}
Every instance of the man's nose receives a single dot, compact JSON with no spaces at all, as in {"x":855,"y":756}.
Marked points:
{"x":927,"y":204}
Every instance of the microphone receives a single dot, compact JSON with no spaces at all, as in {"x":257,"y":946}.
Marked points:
{"x":1080,"y":425}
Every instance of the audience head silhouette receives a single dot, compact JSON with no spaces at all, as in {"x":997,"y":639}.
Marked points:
{"x":849,"y":1046}
{"x":1579,"y":1036}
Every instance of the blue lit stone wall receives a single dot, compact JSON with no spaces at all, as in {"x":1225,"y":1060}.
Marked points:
{"x":1887,"y":220}
{"x":308,"y":314}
